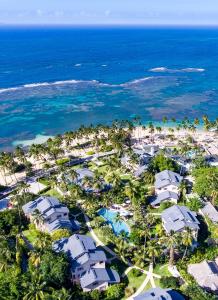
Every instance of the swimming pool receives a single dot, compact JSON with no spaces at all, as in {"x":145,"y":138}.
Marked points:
{"x":110,"y":217}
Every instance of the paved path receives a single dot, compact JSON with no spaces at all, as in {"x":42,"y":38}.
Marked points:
{"x":98,"y":242}
{"x":144,"y":283}
{"x":150,"y":275}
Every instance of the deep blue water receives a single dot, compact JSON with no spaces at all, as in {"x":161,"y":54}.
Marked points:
{"x":55,"y":79}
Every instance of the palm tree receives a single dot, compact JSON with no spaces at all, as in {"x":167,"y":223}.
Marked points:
{"x":171,"y":241}
{"x":187,"y":239}
{"x":43,"y":241}
{"x":62,"y":294}
{"x":37,"y":217}
{"x":121,"y":248}
{"x":153,"y":250}
{"x":196,"y":121}
{"x":34,"y":259}
{"x":118,"y":219}
{"x":36,"y":288}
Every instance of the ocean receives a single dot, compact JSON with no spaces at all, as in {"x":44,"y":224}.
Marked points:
{"x":56,"y":79}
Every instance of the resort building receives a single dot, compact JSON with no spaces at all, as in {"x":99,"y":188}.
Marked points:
{"x":167,"y":181}
{"x":178,"y":218}
{"x":87,"y":263}
{"x":51,"y":214}
{"x":205,"y":274}
{"x":159,"y":294}
{"x":166,"y":187}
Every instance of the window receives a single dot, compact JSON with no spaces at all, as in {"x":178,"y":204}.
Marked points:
{"x":65,"y":214}
{"x":58,"y":216}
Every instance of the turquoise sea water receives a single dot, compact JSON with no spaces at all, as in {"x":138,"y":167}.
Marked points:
{"x":55,"y":79}
{"x":110,"y":216}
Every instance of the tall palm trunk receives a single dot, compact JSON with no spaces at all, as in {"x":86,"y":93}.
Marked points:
{"x":171,"y":262}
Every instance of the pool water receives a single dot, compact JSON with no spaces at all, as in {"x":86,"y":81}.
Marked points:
{"x":110,"y":217}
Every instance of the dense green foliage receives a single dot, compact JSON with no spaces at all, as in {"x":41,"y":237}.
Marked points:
{"x":206,"y":182}
{"x":160,"y":163}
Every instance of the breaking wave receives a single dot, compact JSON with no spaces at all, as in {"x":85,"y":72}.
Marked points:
{"x":72,"y":82}
{"x":168,"y":70}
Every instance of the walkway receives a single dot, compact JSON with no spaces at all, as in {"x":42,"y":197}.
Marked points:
{"x":150,"y":275}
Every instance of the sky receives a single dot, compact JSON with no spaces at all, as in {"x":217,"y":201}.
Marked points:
{"x":109,"y":12}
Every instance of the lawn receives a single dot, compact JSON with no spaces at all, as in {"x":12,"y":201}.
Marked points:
{"x":135,"y":281}
{"x":31,"y":235}
{"x":44,"y":181}
{"x":162,"y":270}
{"x":148,"y":286}
{"x":53,"y":193}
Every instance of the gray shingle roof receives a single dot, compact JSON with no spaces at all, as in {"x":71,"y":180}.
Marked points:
{"x":46,"y":206}
{"x":210,"y":211}
{"x":140,"y":171}
{"x":80,"y":249}
{"x":81,"y":173}
{"x":206,"y":274}
{"x":166,"y":178}
{"x":164,"y":196}
{"x":176,"y":218}
{"x":159,"y":294}
{"x":59,"y":224}
{"x":99,"y":275}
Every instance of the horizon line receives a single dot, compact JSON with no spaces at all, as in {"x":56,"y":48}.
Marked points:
{"x":109,"y":25}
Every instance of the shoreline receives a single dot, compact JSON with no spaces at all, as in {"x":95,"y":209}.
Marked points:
{"x":42,"y":138}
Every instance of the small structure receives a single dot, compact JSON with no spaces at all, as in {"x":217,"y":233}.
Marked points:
{"x":167,"y":180}
{"x":87,"y":263}
{"x":159,"y":294}
{"x":210,"y":211}
{"x":35,"y":187}
{"x":84,"y":173}
{"x":178,"y":218}
{"x":206,"y":274}
{"x":52,"y":215}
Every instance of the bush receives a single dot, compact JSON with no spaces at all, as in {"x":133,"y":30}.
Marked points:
{"x":169,"y":282}
{"x":136,"y":272}
{"x":62,"y":161}
{"x":90,"y":152}
{"x":60,"y":233}
{"x":194,"y":204}
{"x":115,"y":292}
{"x":165,"y":205}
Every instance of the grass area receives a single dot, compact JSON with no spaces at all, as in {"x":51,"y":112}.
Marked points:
{"x":76,"y":167}
{"x":135,"y":281}
{"x":53,"y":193}
{"x":213,"y":228}
{"x":162,"y":270}
{"x":31,"y":235}
{"x":148,"y":286}
{"x":127,"y":177}
{"x":44,"y":181}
